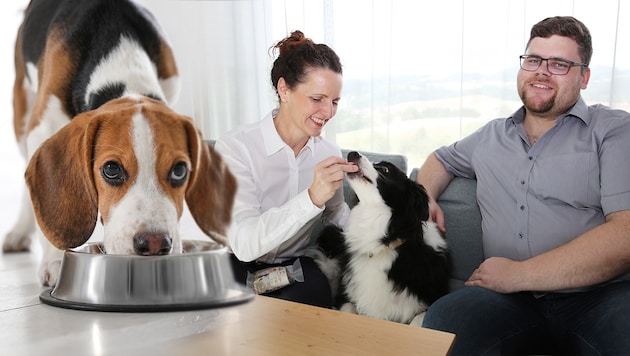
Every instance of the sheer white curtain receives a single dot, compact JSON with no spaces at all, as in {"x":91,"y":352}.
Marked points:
{"x":417,"y":74}
{"x":221,"y":50}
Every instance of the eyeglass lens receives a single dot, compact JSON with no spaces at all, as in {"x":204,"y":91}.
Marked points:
{"x":554,"y":65}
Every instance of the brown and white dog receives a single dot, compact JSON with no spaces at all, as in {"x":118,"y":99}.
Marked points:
{"x":93,"y":79}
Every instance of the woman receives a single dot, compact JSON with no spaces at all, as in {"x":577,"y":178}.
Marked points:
{"x":288,"y":176}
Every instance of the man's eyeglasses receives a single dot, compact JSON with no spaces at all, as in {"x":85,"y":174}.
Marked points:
{"x":557,"y":66}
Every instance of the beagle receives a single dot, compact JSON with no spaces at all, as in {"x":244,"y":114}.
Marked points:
{"x":93,"y":79}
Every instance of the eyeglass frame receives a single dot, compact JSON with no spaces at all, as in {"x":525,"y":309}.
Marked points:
{"x":570,"y":64}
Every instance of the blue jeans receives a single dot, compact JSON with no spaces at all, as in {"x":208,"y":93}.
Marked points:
{"x":596,"y":321}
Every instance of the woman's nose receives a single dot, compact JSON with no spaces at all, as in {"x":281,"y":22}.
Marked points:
{"x":328,"y":109}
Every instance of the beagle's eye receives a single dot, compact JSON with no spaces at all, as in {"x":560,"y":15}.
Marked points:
{"x":113,"y":173}
{"x":177,"y":175}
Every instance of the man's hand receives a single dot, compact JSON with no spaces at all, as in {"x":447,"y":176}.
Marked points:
{"x":436,"y":215}
{"x":498,"y":274}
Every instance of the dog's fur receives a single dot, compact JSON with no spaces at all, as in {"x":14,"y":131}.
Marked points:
{"x":93,"y":81}
{"x":389,"y":263}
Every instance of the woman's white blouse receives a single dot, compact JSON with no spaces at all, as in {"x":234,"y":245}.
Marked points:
{"x":273,"y":215}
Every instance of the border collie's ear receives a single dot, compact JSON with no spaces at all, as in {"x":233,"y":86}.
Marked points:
{"x":420,"y":201}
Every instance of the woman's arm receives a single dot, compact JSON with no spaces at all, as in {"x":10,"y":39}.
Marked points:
{"x":253,"y":232}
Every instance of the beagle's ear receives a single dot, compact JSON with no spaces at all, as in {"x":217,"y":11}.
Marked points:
{"x":60,"y":181}
{"x":210,"y":193}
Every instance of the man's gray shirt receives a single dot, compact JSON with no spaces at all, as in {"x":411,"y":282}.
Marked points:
{"x":535,"y":198}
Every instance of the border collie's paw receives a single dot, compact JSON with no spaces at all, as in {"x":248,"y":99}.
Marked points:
{"x":418,"y":319}
{"x":349,"y":308}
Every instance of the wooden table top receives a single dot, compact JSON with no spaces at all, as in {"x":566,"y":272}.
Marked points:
{"x":268,"y":326}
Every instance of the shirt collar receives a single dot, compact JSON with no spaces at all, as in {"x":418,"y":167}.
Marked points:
{"x":579,"y":110}
{"x":272,"y":140}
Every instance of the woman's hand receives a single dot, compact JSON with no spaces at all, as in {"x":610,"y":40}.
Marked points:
{"x":328,"y":177}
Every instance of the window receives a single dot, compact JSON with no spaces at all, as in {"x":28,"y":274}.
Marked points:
{"x":417,"y":74}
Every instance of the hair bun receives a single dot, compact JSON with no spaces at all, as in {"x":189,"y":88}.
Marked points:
{"x":296,"y":39}
{"x":296,"y":55}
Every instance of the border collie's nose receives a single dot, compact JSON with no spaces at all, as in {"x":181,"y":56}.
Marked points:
{"x":353,"y":156}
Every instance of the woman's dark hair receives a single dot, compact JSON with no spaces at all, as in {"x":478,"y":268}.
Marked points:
{"x":296,"y":55}
{"x":566,"y":26}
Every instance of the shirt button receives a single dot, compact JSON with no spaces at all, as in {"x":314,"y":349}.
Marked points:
{"x":520,"y":235}
{"x":522,"y":207}
{"x":530,"y":158}
{"x":522,"y":182}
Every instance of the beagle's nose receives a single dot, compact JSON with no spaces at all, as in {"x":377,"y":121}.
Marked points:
{"x":152,"y":244}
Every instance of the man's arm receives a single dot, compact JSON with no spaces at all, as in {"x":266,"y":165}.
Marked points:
{"x":434,"y":178}
{"x":596,"y":256}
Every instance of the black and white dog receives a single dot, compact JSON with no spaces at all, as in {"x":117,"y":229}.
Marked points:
{"x":389,"y":263}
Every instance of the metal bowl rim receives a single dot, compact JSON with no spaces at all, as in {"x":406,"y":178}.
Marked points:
{"x":81,"y":251}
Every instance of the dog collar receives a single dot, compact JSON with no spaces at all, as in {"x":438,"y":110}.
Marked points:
{"x":396,"y":243}
{"x":392,"y":246}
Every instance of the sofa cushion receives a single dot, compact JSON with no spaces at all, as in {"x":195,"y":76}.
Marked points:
{"x":463,"y":228}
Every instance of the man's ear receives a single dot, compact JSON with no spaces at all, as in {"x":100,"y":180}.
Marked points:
{"x":585,"y":77}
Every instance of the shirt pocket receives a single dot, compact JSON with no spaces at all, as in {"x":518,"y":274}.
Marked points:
{"x":571,"y":179}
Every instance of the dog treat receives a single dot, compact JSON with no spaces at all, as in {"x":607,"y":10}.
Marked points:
{"x":273,"y":278}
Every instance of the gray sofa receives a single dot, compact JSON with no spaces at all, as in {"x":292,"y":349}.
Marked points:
{"x":461,"y":213}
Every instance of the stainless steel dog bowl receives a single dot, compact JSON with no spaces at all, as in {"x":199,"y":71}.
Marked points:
{"x":200,"y":277}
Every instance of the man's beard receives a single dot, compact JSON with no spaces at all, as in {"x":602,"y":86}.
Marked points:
{"x":537,"y":107}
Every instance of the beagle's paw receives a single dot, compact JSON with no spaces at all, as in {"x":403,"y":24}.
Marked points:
{"x":49,"y":272}
{"x":16,"y":242}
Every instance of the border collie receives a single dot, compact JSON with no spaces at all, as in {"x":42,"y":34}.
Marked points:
{"x":389,"y":263}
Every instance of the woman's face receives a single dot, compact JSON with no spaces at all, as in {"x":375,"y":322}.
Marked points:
{"x":312,"y":103}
